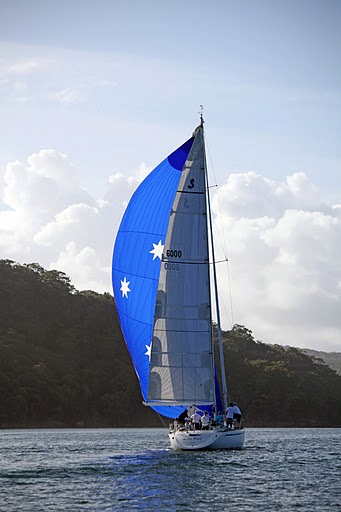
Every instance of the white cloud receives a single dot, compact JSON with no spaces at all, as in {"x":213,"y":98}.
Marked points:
{"x":34,"y":193}
{"x":84,"y":265}
{"x":41,"y":188}
{"x":67,"y":96}
{"x":283,"y":243}
{"x":250,"y":194}
{"x":73,"y":219}
{"x":28,"y":66}
{"x":283,"y":247}
{"x":52,"y":220}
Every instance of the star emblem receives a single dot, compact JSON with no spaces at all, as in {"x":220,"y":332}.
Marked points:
{"x":157,"y":251}
{"x":125,"y":287}
{"x":149,"y":351}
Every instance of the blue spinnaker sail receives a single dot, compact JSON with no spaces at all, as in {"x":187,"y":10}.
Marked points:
{"x":137,"y":259}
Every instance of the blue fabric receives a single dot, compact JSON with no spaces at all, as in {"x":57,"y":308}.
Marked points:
{"x":219,"y":402}
{"x":145,"y":223}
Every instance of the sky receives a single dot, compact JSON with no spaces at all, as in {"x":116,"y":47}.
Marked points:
{"x":93,"y":95}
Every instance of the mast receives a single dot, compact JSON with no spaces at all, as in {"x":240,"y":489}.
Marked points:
{"x":220,"y":338}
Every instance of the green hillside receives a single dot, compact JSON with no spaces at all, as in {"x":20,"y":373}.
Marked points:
{"x":332,"y":359}
{"x":63,"y":363}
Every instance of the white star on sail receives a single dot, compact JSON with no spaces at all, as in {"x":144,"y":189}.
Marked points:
{"x":149,"y":351}
{"x":125,"y":287}
{"x":157,"y":251}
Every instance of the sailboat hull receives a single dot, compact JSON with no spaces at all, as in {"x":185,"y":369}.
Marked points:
{"x":216,"y":439}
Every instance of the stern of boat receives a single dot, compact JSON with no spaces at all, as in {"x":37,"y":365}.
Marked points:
{"x":214,"y":439}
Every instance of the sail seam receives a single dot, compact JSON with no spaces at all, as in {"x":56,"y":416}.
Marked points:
{"x":132,"y":318}
{"x":198,"y":262}
{"x":189,"y":192}
{"x":134,"y":275}
{"x":153,"y":233}
{"x":181,"y":330}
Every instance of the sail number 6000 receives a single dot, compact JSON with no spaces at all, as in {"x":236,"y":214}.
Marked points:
{"x":173,"y":254}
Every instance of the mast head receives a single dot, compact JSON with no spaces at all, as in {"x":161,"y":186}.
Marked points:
{"x":201,"y":125}
{"x":201,"y":116}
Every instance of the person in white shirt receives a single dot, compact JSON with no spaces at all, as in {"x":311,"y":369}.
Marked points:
{"x":196,"y":420}
{"x":205,"y":421}
{"x":229,"y":415}
{"x":191,"y":410}
{"x":175,"y":424}
{"x":237,"y":415}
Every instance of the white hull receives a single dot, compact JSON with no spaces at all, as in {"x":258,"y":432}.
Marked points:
{"x":215,"y":439}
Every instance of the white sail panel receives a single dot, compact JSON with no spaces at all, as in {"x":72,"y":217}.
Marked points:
{"x":181,"y":368}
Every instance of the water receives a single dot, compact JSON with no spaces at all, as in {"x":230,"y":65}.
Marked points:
{"x":117,"y":469}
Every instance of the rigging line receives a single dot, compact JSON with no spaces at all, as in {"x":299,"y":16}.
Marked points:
{"x":222,"y":302}
{"x":230,"y":292}
{"x":161,"y":419}
{"x":230,"y":318}
{"x":216,"y":294}
{"x":220,"y":261}
{"x":228,"y":311}
{"x":222,"y":240}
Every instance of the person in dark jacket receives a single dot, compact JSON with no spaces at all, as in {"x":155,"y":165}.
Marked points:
{"x":183,"y":417}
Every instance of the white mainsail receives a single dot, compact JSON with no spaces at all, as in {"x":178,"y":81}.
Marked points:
{"x":182,"y":366}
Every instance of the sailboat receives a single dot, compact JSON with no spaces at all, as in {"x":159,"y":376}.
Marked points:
{"x":161,"y":277}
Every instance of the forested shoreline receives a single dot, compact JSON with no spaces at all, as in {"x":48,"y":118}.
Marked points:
{"x":63,"y":363}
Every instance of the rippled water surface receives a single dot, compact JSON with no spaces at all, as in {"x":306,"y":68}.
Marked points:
{"x":118,"y":469}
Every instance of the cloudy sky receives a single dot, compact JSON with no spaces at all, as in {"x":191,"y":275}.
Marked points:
{"x":95,"y":94}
